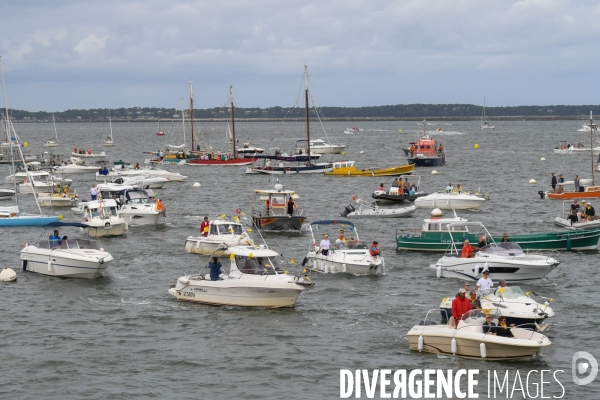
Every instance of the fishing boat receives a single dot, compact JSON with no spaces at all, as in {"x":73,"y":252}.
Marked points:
{"x":109,"y":141}
{"x":351,"y":256}
{"x":347,"y":168}
{"x":220,"y":231}
{"x":397,"y":192}
{"x":319,"y":146}
{"x":453,"y":200}
{"x":434,"y":236}
{"x":307,"y":167}
{"x":466,"y":339}
{"x":66,"y":258}
{"x":425,"y":151}
{"x":364,"y":209}
{"x":484,"y":123}
{"x":270,"y":210}
{"x":225,"y":159}
{"x":256,"y":278}
{"x":50,"y":142}
{"x":505,"y":260}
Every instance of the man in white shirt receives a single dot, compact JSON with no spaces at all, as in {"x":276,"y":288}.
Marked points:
{"x":484,"y":283}
{"x":449,"y":188}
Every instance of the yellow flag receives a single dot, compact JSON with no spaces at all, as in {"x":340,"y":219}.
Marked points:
{"x":251,"y":255}
{"x":292,"y":261}
{"x":231,"y":256}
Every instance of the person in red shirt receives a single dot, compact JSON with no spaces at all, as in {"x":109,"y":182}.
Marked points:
{"x":467,"y":250}
{"x":374,"y":250}
{"x":460,"y":305}
{"x":204,"y":227}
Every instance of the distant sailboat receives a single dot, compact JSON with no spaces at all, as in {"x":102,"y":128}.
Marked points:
{"x":109,"y":141}
{"x":50,"y":142}
{"x":158,"y":131}
{"x":484,"y":123}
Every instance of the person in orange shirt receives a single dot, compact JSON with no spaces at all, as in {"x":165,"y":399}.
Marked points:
{"x":467,"y":250}
{"x":161,"y":207}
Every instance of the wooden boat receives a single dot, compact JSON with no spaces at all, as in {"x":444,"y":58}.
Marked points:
{"x":434,"y":236}
{"x":344,"y":168}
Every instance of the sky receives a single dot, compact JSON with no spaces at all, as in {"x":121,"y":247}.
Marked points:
{"x":60,"y":54}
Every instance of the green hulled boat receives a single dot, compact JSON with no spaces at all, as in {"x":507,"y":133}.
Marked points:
{"x":434,"y":236}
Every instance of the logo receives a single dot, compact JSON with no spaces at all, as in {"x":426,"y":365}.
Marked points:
{"x":579,"y":367}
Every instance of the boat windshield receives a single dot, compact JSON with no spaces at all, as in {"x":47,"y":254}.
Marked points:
{"x":70,"y":244}
{"x":138,"y":198}
{"x":511,"y":292}
{"x":258,"y":265}
{"x":477,"y":317}
{"x":350,"y":244}
{"x":224,"y":229}
{"x":506,"y":249}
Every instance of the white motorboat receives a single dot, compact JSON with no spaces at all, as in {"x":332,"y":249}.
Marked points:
{"x":255,"y":279}
{"x":155,"y":182}
{"x":57,"y":199}
{"x":6,"y":194}
{"x":38,"y":181}
{"x":103,"y":217}
{"x":66,"y":258}
{"x":133,"y":204}
{"x":350,"y":256}
{"x":131,"y":171}
{"x":517,"y":306}
{"x":576,"y":223}
{"x":88,"y":154}
{"x":364,"y":209}
{"x":467,"y":339}
{"x":451,"y":201}
{"x":318,"y":146}
{"x":503,"y":260}
{"x":247,"y":148}
{"x":220,"y":231}
{"x":75,"y":165}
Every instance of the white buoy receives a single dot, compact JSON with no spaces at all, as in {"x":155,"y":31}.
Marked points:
{"x":362,"y":152}
{"x":420,"y":343}
{"x":197,"y":185}
{"x":434,"y":172}
{"x":453,"y":346}
{"x":436,"y":212}
{"x":543,"y":159}
{"x":532,"y":181}
{"x":8,"y":275}
{"x":482,"y":350}
{"x":476,"y":269}
{"x":439,"y":271}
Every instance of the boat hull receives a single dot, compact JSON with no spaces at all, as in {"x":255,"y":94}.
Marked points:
{"x":380,"y":195}
{"x":226,"y":162}
{"x":294,"y":169}
{"x":137,"y":218}
{"x":353,"y":262}
{"x":353,"y":171}
{"x":449,"y":201}
{"x":427,"y":161}
{"x":382,"y":212}
{"x":63,"y":263}
{"x":565,"y":223}
{"x":279,"y":223}
{"x":201,"y":245}
{"x":28,"y":220}
{"x":51,"y":201}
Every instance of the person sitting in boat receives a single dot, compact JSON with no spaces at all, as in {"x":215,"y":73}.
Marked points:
{"x":137,"y":166}
{"x":381,"y":187}
{"x":459,"y":188}
{"x":251,"y":266}
{"x":590,"y":213}
{"x":374,"y":249}
{"x":204,"y":227}
{"x":324,"y":246}
{"x":467,"y":250}
{"x":484,"y":283}
{"x":502,"y":329}
{"x":489,"y":326}
{"x":475,"y":303}
{"x":449,"y":188}
{"x":341,"y":240}
{"x":502,"y":289}
{"x":54,"y":239}
{"x":482,"y":241}
{"x":215,"y":269}
{"x":89,"y":150}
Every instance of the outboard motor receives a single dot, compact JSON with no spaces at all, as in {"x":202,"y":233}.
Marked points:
{"x":349,"y":208}
{"x":542,"y":194}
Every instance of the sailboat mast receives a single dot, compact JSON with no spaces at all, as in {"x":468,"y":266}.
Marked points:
{"x":192,"y":112}
{"x":307,"y":112}
{"x":232,"y":122}
{"x":12,"y":158}
{"x":55,"y":132}
{"x":592,"y":143}
{"x":110,"y":125}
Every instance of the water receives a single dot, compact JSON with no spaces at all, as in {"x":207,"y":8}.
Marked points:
{"x":123,"y":336}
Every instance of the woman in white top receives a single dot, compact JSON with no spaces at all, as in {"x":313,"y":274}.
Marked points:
{"x":325,"y":245}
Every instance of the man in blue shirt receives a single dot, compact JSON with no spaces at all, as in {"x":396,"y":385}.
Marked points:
{"x":55,"y":239}
{"x":215,"y":269}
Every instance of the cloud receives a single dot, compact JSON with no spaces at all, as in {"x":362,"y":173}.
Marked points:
{"x":92,"y":45}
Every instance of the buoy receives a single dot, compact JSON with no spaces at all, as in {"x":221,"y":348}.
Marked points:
{"x":543,"y":159}
{"x":436,"y":212}
{"x":26,"y":144}
{"x":482,"y":350}
{"x":197,"y":185}
{"x":362,"y":152}
{"x":420,"y":343}
{"x":399,"y":130}
{"x":476,"y":269}
{"x":434,"y":172}
{"x":439,"y":271}
{"x":8,"y":275}
{"x":453,"y":345}
{"x":475,"y":146}
{"x":532,"y":181}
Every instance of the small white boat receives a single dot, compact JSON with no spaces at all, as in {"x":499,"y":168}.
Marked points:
{"x":142,"y":181}
{"x":103,"y":217}
{"x":133,"y":204}
{"x":6,"y":194}
{"x":351,"y":256}
{"x":131,"y":171}
{"x":69,"y":258}
{"x":574,"y":148}
{"x":466,"y":339}
{"x":88,"y":154}
{"x":220,"y":231}
{"x":38,"y":181}
{"x":451,"y":201}
{"x":505,"y":261}
{"x":76,"y":165}
{"x":576,"y":224}
{"x":57,"y":199}
{"x":255,"y":279}
{"x":318,"y":146}
{"x":249,"y":149}
{"x":364,"y":209}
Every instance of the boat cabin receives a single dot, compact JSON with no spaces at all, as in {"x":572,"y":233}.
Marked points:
{"x":255,"y":260}
{"x":273,"y":202}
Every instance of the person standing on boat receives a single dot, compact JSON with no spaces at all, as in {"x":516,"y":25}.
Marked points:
{"x":553,"y":182}
{"x":215,"y":269}
{"x":204,"y":227}
{"x":94,"y":192}
{"x":325,"y":245}
{"x":484,"y":283}
{"x":460,"y":305}
{"x":55,"y":239}
{"x":561,"y":183}
{"x":291,"y":206}
{"x":575,"y":207}
{"x":576,"y":182}
{"x":149,"y":192}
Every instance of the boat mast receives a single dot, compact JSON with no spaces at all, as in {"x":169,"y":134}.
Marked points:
{"x":8,"y":138}
{"x":307,"y":112}
{"x":232,"y":122}
{"x":192,"y":112}
{"x":109,"y":124}
{"x":183,"y":119}
{"x":55,"y":132}
{"x":592,"y":143}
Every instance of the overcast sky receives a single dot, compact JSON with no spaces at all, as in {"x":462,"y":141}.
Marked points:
{"x":60,"y":54}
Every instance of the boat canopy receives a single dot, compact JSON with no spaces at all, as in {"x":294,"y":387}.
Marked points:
{"x":333,"y":222}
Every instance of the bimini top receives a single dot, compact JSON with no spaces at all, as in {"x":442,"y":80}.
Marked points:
{"x":333,"y":222}
{"x":255,"y":251}
{"x":76,"y":224}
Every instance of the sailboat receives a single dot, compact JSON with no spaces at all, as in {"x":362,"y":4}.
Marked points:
{"x":10,"y":216}
{"x":307,"y":167}
{"x":484,"y":123}
{"x":219,"y":158}
{"x":158,"y":131}
{"x":109,"y":141}
{"x":50,"y":142}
